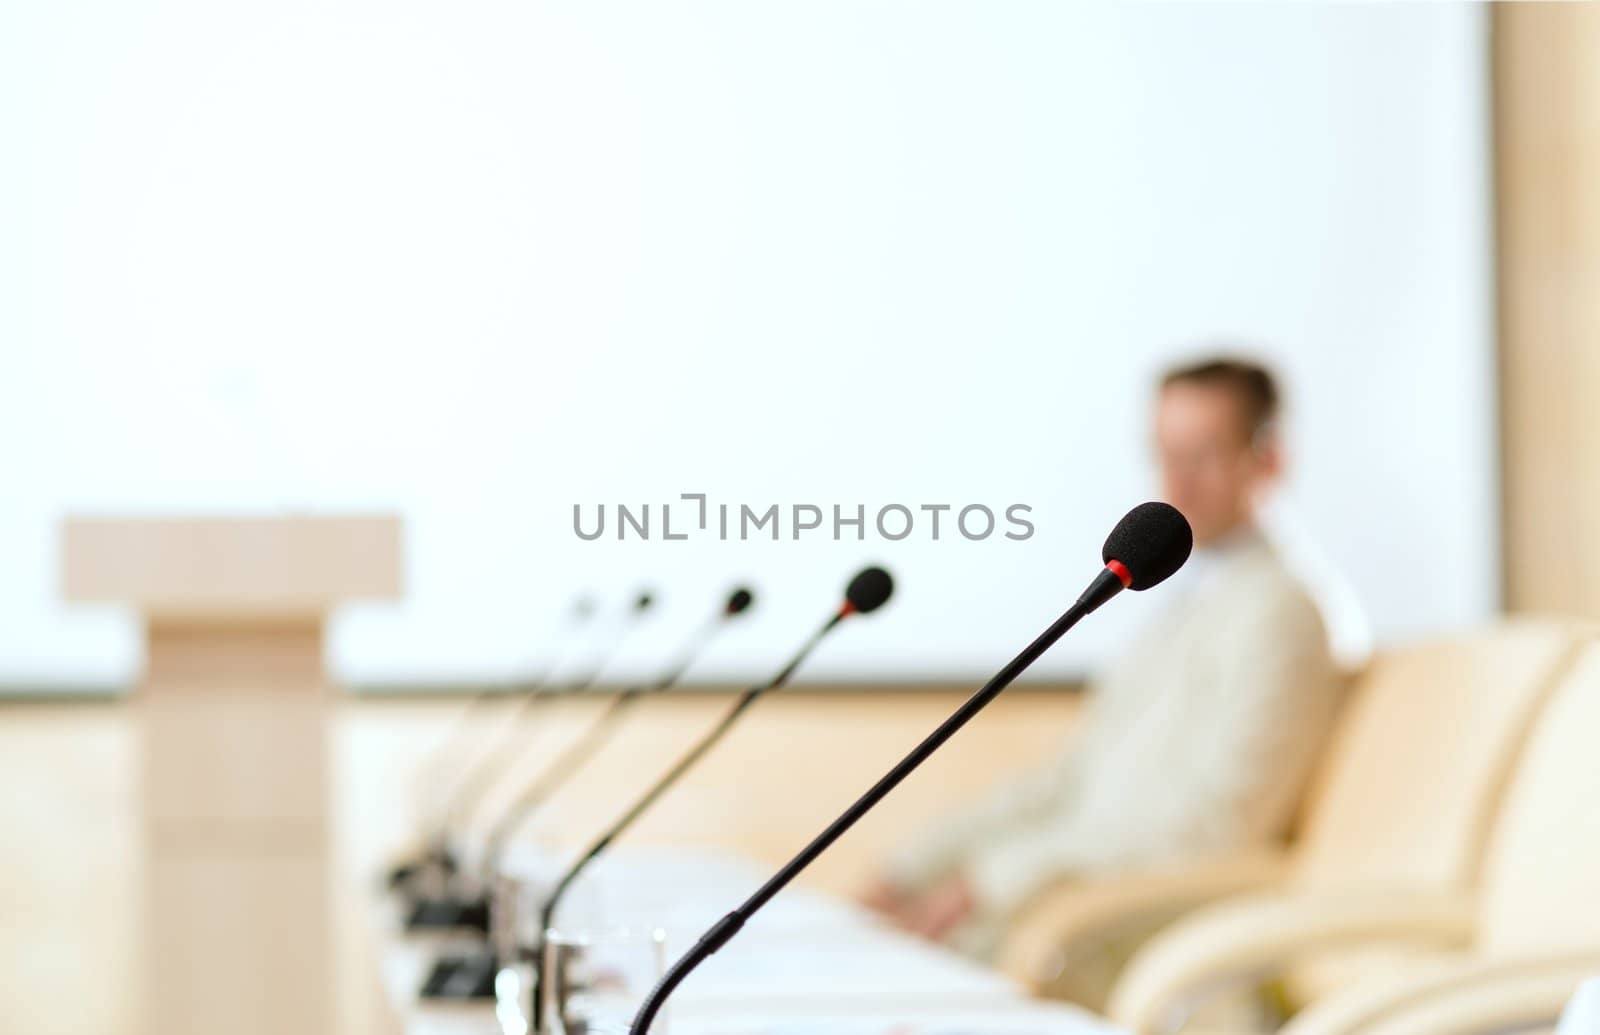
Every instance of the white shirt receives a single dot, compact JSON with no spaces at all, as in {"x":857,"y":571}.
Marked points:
{"x":1198,"y":740}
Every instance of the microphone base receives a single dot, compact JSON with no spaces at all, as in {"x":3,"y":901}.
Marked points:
{"x":403,"y":874}
{"x":462,"y":978}
{"x":435,"y":914}
{"x":408,"y":875}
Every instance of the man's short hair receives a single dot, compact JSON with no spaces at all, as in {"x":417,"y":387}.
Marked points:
{"x":1252,"y":385}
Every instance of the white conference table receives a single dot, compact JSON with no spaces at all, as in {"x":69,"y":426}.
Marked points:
{"x":807,"y":963}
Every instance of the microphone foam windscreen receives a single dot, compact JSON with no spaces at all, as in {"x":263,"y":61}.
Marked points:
{"x":739,"y":600}
{"x":1152,"y":541}
{"x":869,"y":590}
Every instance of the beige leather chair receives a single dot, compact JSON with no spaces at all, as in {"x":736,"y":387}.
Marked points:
{"x":1403,"y":802}
{"x":1538,"y":929}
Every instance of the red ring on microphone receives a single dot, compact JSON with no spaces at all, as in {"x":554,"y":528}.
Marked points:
{"x":848,"y":609}
{"x":1121,"y":571}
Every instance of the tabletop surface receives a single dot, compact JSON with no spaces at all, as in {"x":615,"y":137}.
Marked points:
{"x":809,"y":962}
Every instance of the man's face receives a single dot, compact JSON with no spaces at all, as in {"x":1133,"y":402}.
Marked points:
{"x":1210,"y":470}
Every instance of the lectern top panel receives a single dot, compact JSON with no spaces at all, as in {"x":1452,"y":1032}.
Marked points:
{"x":207,"y":567}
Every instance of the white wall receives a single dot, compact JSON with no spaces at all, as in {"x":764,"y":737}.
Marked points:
{"x":481,"y":261}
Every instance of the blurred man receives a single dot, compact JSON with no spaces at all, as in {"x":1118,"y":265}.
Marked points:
{"x":1198,"y":741}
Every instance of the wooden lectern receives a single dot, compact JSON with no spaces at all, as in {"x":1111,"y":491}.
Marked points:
{"x":246,"y":593}
{"x":234,"y":715}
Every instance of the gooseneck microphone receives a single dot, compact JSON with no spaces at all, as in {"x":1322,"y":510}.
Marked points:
{"x":1150,"y":543}
{"x":582,"y":610}
{"x":471,"y":975}
{"x":465,"y":909}
{"x":494,"y":764}
{"x":437,"y":853}
{"x":868,"y":591}
{"x":601,"y":729}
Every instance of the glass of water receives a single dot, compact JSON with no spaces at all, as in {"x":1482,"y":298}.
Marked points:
{"x":595,"y":979}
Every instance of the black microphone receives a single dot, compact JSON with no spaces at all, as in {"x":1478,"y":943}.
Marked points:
{"x":466,"y":910}
{"x":600,"y":731}
{"x":436,"y":854}
{"x":582,"y":610}
{"x":867,"y":592}
{"x":1146,"y":547}
{"x":471,"y":975}
{"x":494,"y":764}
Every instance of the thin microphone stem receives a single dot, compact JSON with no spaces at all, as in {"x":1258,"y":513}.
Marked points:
{"x":685,"y":762}
{"x":724,"y":929}
{"x":528,"y":689}
{"x":462,"y":730}
{"x":580,"y":751}
{"x":493,"y":766}
{"x":557,"y":773}
{"x":459,"y":733}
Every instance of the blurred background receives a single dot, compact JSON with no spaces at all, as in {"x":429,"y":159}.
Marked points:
{"x":476,"y":273}
{"x":477,"y":265}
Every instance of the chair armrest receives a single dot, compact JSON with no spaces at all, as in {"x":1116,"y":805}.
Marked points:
{"x":1069,"y":919}
{"x":1252,"y":937}
{"x":1454,"y":999}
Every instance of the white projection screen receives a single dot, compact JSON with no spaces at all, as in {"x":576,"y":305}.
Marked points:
{"x":479,"y":262}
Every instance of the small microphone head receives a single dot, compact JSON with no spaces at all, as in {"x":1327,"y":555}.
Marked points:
{"x":869,"y":590}
{"x":1151,"y":542}
{"x":643,"y":603}
{"x":738,"y":601}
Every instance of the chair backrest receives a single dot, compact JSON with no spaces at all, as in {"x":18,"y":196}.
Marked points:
{"x":1541,"y":879}
{"x":1422,"y":755}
